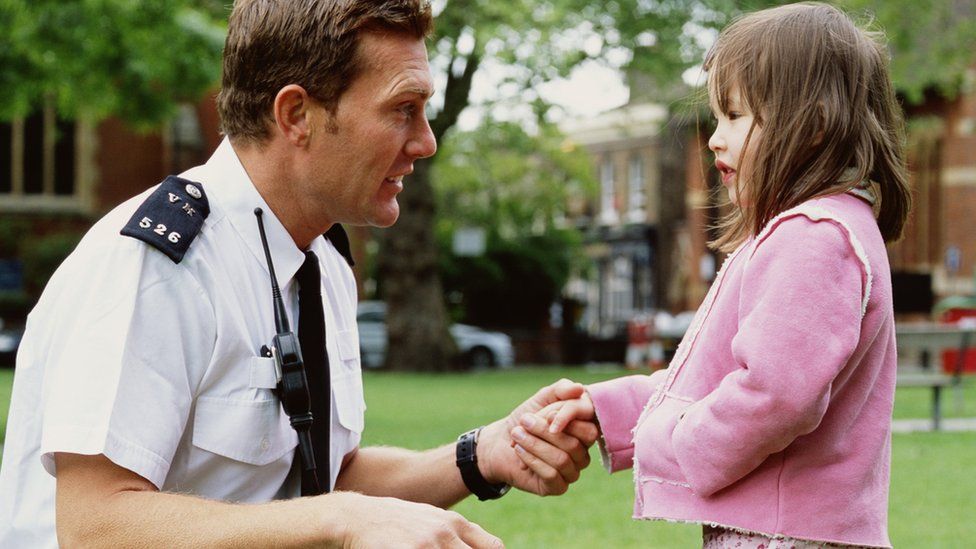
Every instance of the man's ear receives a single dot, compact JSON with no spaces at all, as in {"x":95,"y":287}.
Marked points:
{"x":292,"y":108}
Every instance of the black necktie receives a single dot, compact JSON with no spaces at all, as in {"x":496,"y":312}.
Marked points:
{"x":311,"y":336}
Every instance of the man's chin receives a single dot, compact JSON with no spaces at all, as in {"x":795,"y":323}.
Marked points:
{"x":384,"y":219}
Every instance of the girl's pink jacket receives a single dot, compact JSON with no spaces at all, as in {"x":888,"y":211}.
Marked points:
{"x":775,"y":414}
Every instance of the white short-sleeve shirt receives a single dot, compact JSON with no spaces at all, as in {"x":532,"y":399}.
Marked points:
{"x":157,"y":364}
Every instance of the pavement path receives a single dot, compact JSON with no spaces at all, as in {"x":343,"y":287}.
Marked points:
{"x":956,"y":424}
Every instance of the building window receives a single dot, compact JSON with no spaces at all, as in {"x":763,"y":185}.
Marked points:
{"x":635,"y":188}
{"x":620,"y":293}
{"x":608,"y":198}
{"x":38,"y":160}
{"x":186,"y":139}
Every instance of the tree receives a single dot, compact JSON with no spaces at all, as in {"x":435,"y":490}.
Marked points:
{"x":538,"y":40}
{"x":543,"y":39}
{"x":504,"y":178}
{"x":136,"y":59}
{"x":513,"y":185}
{"x":931,"y":43}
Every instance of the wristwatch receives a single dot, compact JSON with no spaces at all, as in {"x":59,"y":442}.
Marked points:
{"x":467,"y":461}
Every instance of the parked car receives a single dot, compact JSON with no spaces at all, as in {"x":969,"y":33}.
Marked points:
{"x":479,"y":348}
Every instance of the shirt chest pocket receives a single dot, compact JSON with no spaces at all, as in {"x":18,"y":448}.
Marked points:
{"x":251,"y":431}
{"x":347,"y":382}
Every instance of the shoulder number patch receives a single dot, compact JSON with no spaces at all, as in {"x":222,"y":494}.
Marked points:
{"x":171,"y":217}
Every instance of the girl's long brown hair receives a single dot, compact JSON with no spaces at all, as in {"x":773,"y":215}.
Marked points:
{"x":818,"y":87}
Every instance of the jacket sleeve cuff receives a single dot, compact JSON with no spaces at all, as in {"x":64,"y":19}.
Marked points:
{"x":618,"y":404}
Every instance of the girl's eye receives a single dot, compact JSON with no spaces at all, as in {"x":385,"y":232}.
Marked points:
{"x":734,"y":115}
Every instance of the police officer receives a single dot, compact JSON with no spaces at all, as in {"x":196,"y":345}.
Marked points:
{"x":144,"y":410}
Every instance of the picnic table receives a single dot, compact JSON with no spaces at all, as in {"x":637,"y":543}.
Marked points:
{"x":927,"y":340}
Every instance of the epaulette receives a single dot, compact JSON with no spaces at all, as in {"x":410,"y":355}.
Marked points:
{"x":171,"y":217}
{"x":338,"y":237}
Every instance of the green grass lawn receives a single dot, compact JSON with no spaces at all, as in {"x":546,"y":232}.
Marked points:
{"x":933,"y":474}
{"x":6,"y":382}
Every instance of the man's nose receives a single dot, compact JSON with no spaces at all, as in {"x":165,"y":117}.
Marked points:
{"x":422,"y":144}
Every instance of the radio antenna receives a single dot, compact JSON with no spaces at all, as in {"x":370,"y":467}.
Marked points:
{"x":280,"y":316}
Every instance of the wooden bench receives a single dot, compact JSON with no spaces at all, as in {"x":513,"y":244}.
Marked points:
{"x":926,"y":379}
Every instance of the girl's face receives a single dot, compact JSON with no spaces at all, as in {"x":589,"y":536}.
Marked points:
{"x":733,"y":163}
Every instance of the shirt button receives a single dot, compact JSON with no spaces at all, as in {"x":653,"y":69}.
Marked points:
{"x":265,"y":444}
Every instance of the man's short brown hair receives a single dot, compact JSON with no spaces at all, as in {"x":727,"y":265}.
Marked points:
{"x":312,"y":43}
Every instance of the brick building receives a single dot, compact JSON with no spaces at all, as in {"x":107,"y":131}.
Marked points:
{"x":646,"y":233}
{"x":940,"y":239}
{"x":57,"y":177}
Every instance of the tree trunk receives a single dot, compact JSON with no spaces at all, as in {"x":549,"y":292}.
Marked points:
{"x":417,"y":333}
{"x":417,"y":323}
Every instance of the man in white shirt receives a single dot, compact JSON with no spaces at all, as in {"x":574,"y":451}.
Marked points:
{"x":144,"y":410}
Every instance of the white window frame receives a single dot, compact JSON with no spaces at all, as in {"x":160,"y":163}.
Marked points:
{"x":608,"y":195}
{"x":637,"y":195}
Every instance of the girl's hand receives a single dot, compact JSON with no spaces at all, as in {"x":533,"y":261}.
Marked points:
{"x":562,"y":413}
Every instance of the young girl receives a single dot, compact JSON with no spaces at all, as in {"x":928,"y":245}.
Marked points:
{"x":771,"y":427}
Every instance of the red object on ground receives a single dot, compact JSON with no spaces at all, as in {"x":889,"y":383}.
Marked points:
{"x":639,"y":330}
{"x":950,"y":358}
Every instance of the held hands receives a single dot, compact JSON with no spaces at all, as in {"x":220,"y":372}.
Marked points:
{"x":545,"y":461}
{"x":563,"y":413}
{"x":554,"y":419}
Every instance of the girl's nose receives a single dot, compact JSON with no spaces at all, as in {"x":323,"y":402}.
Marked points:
{"x":716,"y":142}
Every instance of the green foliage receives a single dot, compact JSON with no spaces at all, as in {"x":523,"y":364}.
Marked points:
{"x":539,"y":40}
{"x":135,"y":59}
{"x":14,"y":305}
{"x":12,"y":231}
{"x":932,"y":44}
{"x":42,"y":256}
{"x":503,"y":178}
{"x":514,"y":283}
{"x":515,"y":186}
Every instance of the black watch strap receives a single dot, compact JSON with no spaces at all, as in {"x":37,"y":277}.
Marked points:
{"x":467,"y":462}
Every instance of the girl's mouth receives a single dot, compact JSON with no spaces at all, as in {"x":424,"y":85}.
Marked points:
{"x":726,"y":171}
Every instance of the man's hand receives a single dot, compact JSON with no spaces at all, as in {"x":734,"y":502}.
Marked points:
{"x":388,"y":522}
{"x":547,"y":462}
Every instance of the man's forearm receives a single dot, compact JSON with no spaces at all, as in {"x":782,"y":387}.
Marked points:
{"x":103,"y":505}
{"x":157,"y":519}
{"x":100,"y":504}
{"x":425,"y":477}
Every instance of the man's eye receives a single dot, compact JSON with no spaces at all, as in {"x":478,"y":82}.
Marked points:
{"x":408,"y":110}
